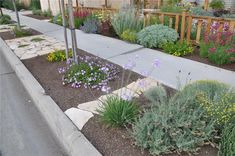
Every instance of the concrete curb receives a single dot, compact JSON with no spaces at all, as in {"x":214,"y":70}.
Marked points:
{"x":69,"y":137}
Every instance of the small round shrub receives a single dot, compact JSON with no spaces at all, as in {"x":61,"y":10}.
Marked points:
{"x":156,"y":36}
{"x":58,"y":19}
{"x":5,"y":19}
{"x":57,"y":56}
{"x":199,"y":11}
{"x":37,"y":12}
{"x":179,"y":48}
{"x":227,"y":143}
{"x":221,"y":108}
{"x":117,"y":112}
{"x":217,"y":4}
{"x":129,"y":36}
{"x":217,"y":99}
{"x":90,"y":25}
{"x":21,"y":32}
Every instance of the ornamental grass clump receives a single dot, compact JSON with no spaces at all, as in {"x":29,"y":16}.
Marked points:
{"x":155,"y":36}
{"x":21,"y":32}
{"x":227,"y":144}
{"x":126,"y":19}
{"x":180,"y":123}
{"x":89,"y":73}
{"x":5,"y":19}
{"x":117,"y":112}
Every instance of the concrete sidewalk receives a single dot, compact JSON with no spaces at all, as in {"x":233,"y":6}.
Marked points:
{"x":119,"y":52}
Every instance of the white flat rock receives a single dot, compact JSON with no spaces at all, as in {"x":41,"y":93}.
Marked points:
{"x":79,"y":117}
{"x":142,"y":85}
{"x":91,"y":106}
{"x":27,"y":56}
{"x":125,"y":93}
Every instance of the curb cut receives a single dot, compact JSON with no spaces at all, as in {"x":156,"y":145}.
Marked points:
{"x":69,"y":137}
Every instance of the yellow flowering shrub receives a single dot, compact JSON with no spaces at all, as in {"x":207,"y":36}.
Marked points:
{"x":221,"y":108}
{"x":58,"y":55}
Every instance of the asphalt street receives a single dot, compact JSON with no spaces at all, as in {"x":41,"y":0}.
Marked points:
{"x":23,"y":132}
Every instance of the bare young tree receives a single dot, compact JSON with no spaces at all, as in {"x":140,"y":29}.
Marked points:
{"x":1,"y":11}
{"x":17,"y":15}
{"x":65,"y":29}
{"x":73,"y":33}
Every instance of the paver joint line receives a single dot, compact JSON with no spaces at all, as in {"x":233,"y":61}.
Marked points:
{"x":3,"y":74}
{"x":127,"y":52}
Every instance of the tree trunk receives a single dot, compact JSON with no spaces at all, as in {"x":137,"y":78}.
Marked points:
{"x":65,"y":30}
{"x":17,"y":15}
{"x":1,"y":11}
{"x":72,"y":28}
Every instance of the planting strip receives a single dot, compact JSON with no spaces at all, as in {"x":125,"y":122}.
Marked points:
{"x":72,"y":140}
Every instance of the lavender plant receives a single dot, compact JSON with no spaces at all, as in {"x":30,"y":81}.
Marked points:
{"x":91,"y":25}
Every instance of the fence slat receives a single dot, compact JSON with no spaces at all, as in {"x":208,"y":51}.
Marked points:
{"x":190,"y":19}
{"x":170,"y":22}
{"x":208,"y":26}
{"x":231,"y":26}
{"x":199,"y":29}
{"x":177,"y":18}
{"x":183,"y":26}
{"x":220,"y":30}
{"x":162,"y":18}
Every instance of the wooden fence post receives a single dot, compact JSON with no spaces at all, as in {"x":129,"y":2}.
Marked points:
{"x":162,"y":19}
{"x":208,"y":26}
{"x":206,"y":5}
{"x":199,"y":29}
{"x":177,"y":18}
{"x":231,"y":28}
{"x":183,"y":24}
{"x":145,"y":19}
{"x":190,"y":20}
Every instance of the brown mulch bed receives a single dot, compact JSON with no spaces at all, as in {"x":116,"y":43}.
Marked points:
{"x":37,"y":17}
{"x":109,"y":141}
{"x":118,"y":142}
{"x":196,"y":57}
{"x":65,"y":96}
{"x":8,"y":35}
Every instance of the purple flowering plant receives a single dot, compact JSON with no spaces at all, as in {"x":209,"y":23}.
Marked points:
{"x":127,"y":72}
{"x":90,"y":73}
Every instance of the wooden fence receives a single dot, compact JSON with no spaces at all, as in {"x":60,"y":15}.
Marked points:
{"x":183,"y":22}
{"x":93,"y":10}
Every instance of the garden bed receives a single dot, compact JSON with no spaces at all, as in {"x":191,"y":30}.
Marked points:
{"x":65,"y":96}
{"x":118,"y":142}
{"x":109,"y":141}
{"x":196,"y":57}
{"x":8,"y":35}
{"x":38,"y":17}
